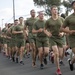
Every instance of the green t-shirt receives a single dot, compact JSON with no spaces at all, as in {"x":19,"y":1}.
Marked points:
{"x":12,"y":29}
{"x":19,"y":28}
{"x":4,"y":30}
{"x":39,"y":24}
{"x":54,"y":25}
{"x":29,"y":23}
{"x":70,"y":22}
{"x":8,"y":32}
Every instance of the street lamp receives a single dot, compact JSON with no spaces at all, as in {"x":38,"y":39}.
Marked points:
{"x":13,"y":10}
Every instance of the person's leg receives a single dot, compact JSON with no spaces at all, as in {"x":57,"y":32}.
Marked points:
{"x":64,"y":40}
{"x":40,"y":54}
{"x":33,"y":47}
{"x":9,"y":48}
{"x":21,"y":53}
{"x":46,"y":46}
{"x":33,"y":54}
{"x":5,"y":48}
{"x":13,"y":51}
{"x":17,"y":53}
{"x":56,"y":56}
{"x":13,"y":54}
{"x":46,"y":52}
{"x":21,"y":48}
{"x":61,"y":52}
{"x":65,"y":47}
{"x":28,"y":49}
{"x":9,"y":52}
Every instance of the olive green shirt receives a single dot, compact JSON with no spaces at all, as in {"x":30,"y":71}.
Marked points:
{"x":8,"y":32}
{"x":19,"y":28}
{"x":30,"y":23}
{"x":70,"y":22}
{"x":11,"y":30}
{"x":54,"y":25}
{"x":4,"y":31}
{"x":40,"y":24}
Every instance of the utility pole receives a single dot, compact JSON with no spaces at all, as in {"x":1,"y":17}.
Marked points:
{"x":13,"y":10}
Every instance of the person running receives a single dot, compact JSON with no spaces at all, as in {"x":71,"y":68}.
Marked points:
{"x":13,"y":42}
{"x":70,"y":22}
{"x":5,"y":39}
{"x":42,"y":41}
{"x":63,"y":35}
{"x":27,"y":46}
{"x":19,"y":31}
{"x":52,"y":28}
{"x":32,"y":38}
{"x":8,"y":35}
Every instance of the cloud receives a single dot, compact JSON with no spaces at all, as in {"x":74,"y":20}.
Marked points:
{"x":5,"y":14}
{"x":22,"y":8}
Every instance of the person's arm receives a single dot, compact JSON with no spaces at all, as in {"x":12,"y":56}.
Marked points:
{"x":25,"y":34}
{"x":71,"y":32}
{"x":14,"y":31}
{"x":37,"y":31}
{"x":17,"y":32}
{"x":48,"y":33}
{"x":61,"y":34}
{"x":8,"y":37}
{"x":62,"y":29}
{"x":65,"y":24}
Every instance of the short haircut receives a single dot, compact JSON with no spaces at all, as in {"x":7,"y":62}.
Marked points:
{"x":72,"y":3}
{"x":53,"y":6}
{"x":32,"y":10}
{"x":63,"y":15}
{"x":20,"y":17}
{"x":40,"y":12}
{"x":11,"y":24}
{"x":15,"y":20}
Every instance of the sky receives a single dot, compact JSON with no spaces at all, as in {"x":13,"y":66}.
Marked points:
{"x":22,"y":8}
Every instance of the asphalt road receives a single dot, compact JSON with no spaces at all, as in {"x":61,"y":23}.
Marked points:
{"x":8,"y":67}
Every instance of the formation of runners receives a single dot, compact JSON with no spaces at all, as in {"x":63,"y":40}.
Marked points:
{"x":41,"y":38}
